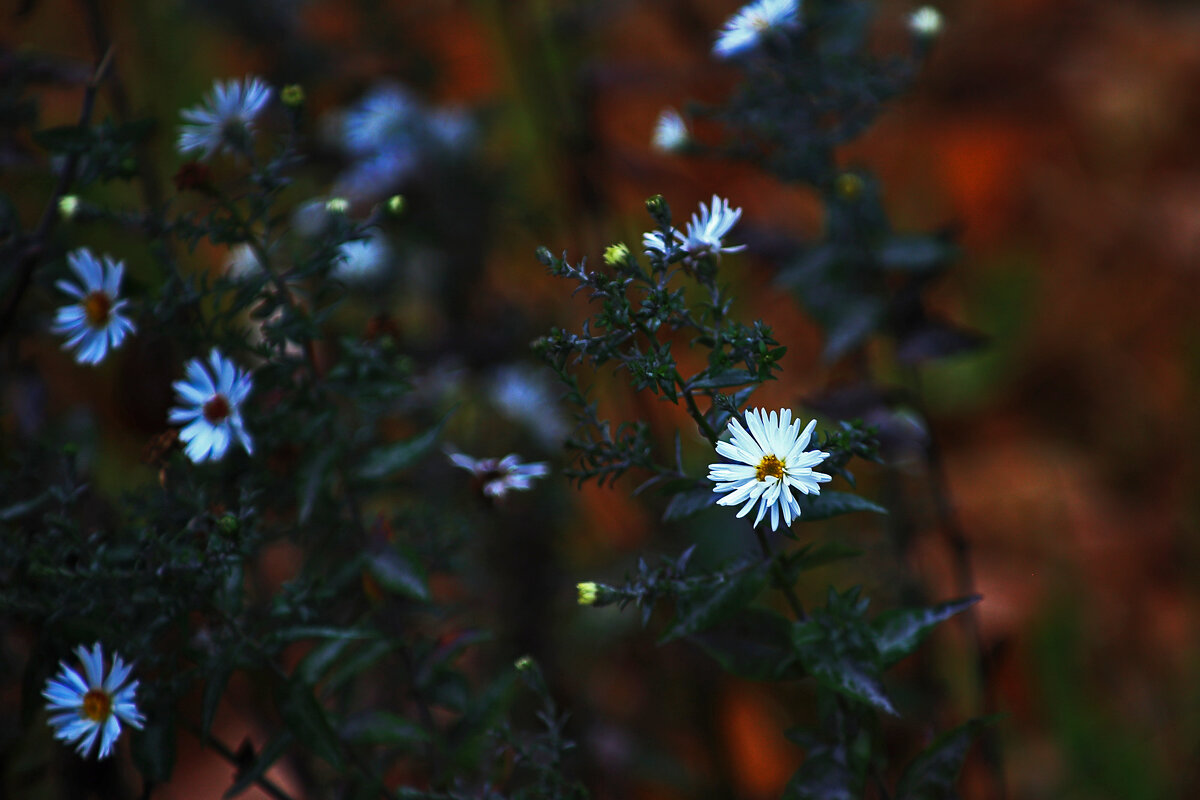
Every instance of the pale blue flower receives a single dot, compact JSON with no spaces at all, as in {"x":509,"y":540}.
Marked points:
{"x":670,"y":131}
{"x":925,"y":22}
{"x":95,"y":323}
{"x":772,"y":462}
{"x":746,"y":29}
{"x":362,"y":260}
{"x":87,"y":707}
{"x":387,"y":117}
{"x":225,"y":119}
{"x":499,"y":476}
{"x":211,"y":400}
{"x":704,"y":234}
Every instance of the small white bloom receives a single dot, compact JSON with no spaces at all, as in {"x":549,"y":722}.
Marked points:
{"x":925,"y":22}
{"x":211,"y":401}
{"x":242,"y":262}
{"x":773,"y":461}
{"x":361,"y":260}
{"x":499,"y":476}
{"x":707,"y":228}
{"x":95,"y":323}
{"x":68,"y":206}
{"x":655,"y":242}
{"x":670,"y":132}
{"x":225,"y":119}
{"x":90,"y":706}
{"x":746,"y":29}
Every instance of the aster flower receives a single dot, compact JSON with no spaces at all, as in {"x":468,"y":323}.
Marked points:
{"x":704,"y":233}
{"x":773,"y":461}
{"x":87,"y":707}
{"x":925,"y":22}
{"x":746,"y":29}
{"x":95,"y":323}
{"x":670,"y":132}
{"x":499,"y":476}
{"x":226,"y":117}
{"x":211,"y":400}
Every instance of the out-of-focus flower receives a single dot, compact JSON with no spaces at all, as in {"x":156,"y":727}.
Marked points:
{"x":337,"y":205}
{"x":362,"y":260}
{"x":587,"y":593}
{"x":225,"y":119}
{"x":95,"y":323}
{"x":925,"y":22}
{"x":746,"y":29}
{"x":772,"y":462}
{"x":616,"y":254}
{"x":87,"y":707}
{"x":210,"y":407}
{"x":292,"y":95}
{"x":395,"y":204}
{"x":529,"y":395}
{"x":242,"y":261}
{"x":499,"y":476}
{"x":704,"y":233}
{"x":670,"y":132}
{"x":68,"y":205}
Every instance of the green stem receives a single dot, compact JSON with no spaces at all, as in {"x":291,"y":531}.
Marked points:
{"x":781,"y":581}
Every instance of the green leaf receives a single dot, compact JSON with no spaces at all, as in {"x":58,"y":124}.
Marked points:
{"x":65,"y":138}
{"x":838,"y":666}
{"x":727,"y":597}
{"x":899,"y":631}
{"x":384,"y":727}
{"x":312,"y":478}
{"x":321,"y":632}
{"x":18,"y":510}
{"x":931,"y":775}
{"x":915,"y":253}
{"x":685,"y":504}
{"x":398,"y":571}
{"x":753,"y":643}
{"x":383,"y":462}
{"x":214,"y":690}
{"x":813,"y":556}
{"x":722,"y":379}
{"x":308,"y":722}
{"x":831,"y":504}
{"x":823,"y":776}
{"x":269,"y":755}
{"x":154,"y":746}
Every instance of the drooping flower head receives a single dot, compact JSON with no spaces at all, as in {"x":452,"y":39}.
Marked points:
{"x":94,"y":323}
{"x":704,"y":233}
{"x":225,"y":119}
{"x":87,"y":707}
{"x":747,"y":29}
{"x":670,"y":132}
{"x":499,"y":476}
{"x":772,"y":462}
{"x":210,"y":407}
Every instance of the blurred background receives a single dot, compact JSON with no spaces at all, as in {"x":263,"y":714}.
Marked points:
{"x":1057,"y":136}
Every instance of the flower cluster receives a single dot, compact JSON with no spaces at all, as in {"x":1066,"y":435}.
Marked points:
{"x":87,"y":707}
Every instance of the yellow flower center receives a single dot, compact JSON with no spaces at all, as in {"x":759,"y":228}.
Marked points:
{"x":97,"y":705}
{"x":770,"y":465}
{"x":760,"y":22}
{"x":216,"y":409}
{"x":96,"y":307}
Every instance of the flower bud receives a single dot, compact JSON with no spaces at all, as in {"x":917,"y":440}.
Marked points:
{"x":395,"y":204}
{"x":524,"y":663}
{"x":68,"y":205}
{"x":849,"y":186}
{"x":588,"y":592}
{"x":616,"y":254}
{"x":925,"y":22}
{"x":292,"y":95}
{"x":337,"y":205}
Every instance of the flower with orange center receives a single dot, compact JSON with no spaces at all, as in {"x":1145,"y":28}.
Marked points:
{"x":87,"y":707}
{"x":210,"y":407}
{"x":772,"y":462}
{"x":95,"y":322}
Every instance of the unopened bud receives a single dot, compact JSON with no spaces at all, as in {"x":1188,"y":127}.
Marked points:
{"x":395,"y":204}
{"x":616,"y":254}
{"x":337,"y":205}
{"x":849,"y":186}
{"x":68,"y":205}
{"x":292,"y":95}
{"x":588,"y":592}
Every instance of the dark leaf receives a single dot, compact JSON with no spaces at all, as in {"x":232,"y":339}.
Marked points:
{"x":932,"y":339}
{"x":753,"y":643}
{"x":813,"y":556}
{"x":65,"y":139}
{"x":398,"y":571}
{"x":685,"y":504}
{"x":839,"y":668}
{"x":722,"y":379}
{"x":154,"y":746}
{"x":915,"y":253}
{"x":384,"y":727}
{"x":931,"y":775}
{"x":308,"y":722}
{"x":385,"y":461}
{"x":899,"y":631}
{"x":269,"y":755}
{"x":732,"y":594}
{"x":831,"y":504}
{"x":214,"y":690}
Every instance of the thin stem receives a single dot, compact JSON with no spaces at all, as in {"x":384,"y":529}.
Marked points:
{"x":265,"y":783}
{"x":781,"y":581}
{"x":694,"y":410}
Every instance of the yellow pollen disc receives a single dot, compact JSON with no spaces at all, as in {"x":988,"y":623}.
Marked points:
{"x":96,"y":307}
{"x":97,"y":705}
{"x":770,"y":465}
{"x":216,"y":409}
{"x":760,"y":22}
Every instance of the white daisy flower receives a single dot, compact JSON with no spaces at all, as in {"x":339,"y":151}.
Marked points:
{"x":925,"y":22}
{"x":211,"y":402}
{"x":706,"y":229}
{"x":499,"y":476}
{"x":225,"y":119}
{"x":773,"y":461}
{"x":746,"y":29}
{"x":95,"y":323}
{"x":670,"y":132}
{"x":90,"y":706}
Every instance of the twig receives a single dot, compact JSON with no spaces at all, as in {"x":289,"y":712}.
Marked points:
{"x":265,"y":783}
{"x":780,"y":579}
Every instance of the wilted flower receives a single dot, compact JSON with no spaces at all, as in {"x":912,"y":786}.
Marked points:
{"x":211,"y":400}
{"x":90,"y":706}
{"x":670,"y":132}
{"x":773,"y":461}
{"x":95,"y":323}
{"x":225,"y":119}
{"x":746,"y":29}
{"x":499,"y":476}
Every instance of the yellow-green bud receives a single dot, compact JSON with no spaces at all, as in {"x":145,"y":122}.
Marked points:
{"x":587,"y":593}
{"x":524,"y":663}
{"x":395,"y":204}
{"x":849,"y":186}
{"x":655,"y":204}
{"x":68,"y":205}
{"x":292,"y":95}
{"x":228,"y":524}
{"x":337,"y":205}
{"x":616,"y":254}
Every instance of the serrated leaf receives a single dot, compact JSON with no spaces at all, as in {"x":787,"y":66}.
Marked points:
{"x":831,"y":504}
{"x":734,"y":593}
{"x":931,"y":775}
{"x":850,"y":673}
{"x":899,"y":631}
{"x":754,"y":643}
{"x":813,"y":556}
{"x":722,"y":379}
{"x":397,"y":570}
{"x":269,"y":755}
{"x":214,"y":690}
{"x":822,"y":776}
{"x":685,"y":504}
{"x":382,"y":462}
{"x":308,"y":722}
{"x":384,"y":727}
